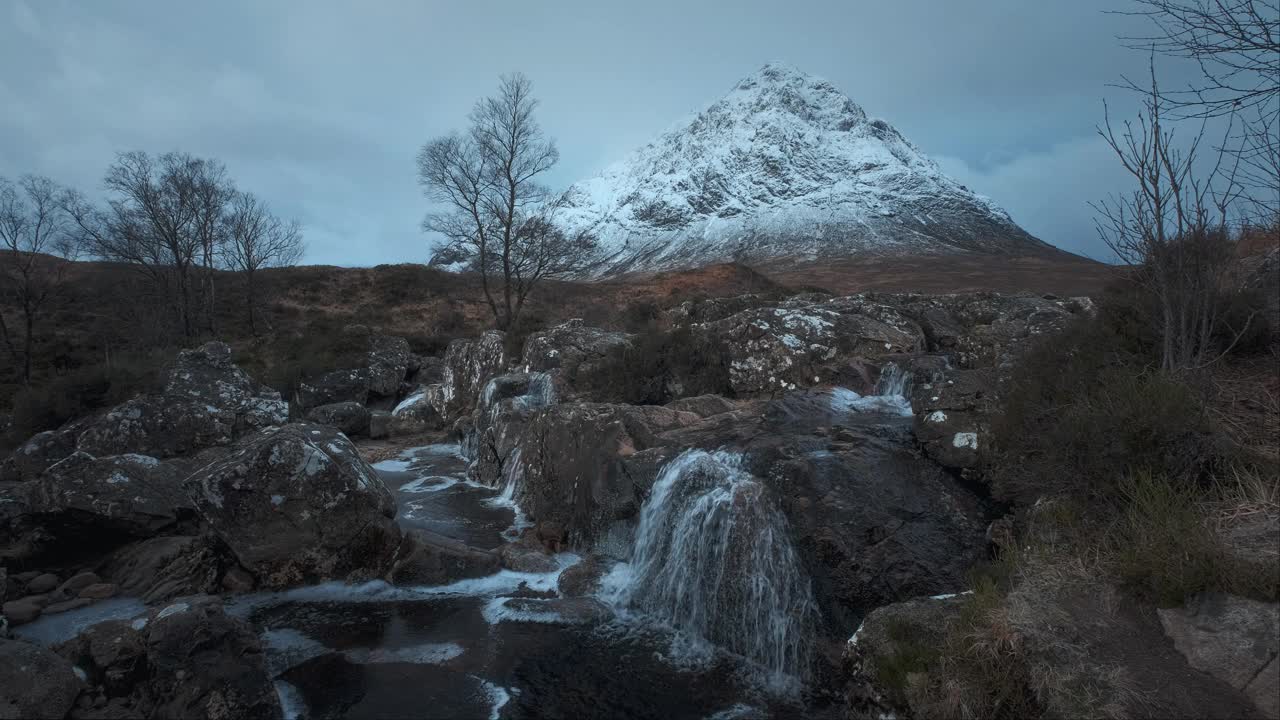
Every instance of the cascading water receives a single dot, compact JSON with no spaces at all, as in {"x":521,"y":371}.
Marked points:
{"x":893,"y":381}
{"x":890,"y":394}
{"x":713,"y":560}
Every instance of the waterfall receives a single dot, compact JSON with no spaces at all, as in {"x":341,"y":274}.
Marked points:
{"x":713,"y":559}
{"x":893,"y":381}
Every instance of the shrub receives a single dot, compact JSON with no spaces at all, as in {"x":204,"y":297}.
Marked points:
{"x":660,"y":365}
{"x":81,"y":391}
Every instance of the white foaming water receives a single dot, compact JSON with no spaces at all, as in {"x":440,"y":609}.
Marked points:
{"x":512,"y":474}
{"x":291,"y":703}
{"x":500,"y":583}
{"x":287,"y":648}
{"x":890,"y":395}
{"x":713,"y":560}
{"x":498,"y":697}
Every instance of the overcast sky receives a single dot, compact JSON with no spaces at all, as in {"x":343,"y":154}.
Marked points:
{"x":320,"y":107}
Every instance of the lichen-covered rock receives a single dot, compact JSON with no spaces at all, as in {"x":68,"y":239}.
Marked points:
{"x":82,"y":505}
{"x":298,"y":503}
{"x":506,"y":404}
{"x":570,"y":348}
{"x":206,"y":401}
{"x":468,"y":365}
{"x":799,"y":343}
{"x":1234,"y":639}
{"x":350,"y":418}
{"x":135,"y":494}
{"x":953,"y":415}
{"x":35,"y":682}
{"x":187,"y":659}
{"x":416,"y":413}
{"x":578,"y":466}
{"x":337,"y":386}
{"x":389,"y":361}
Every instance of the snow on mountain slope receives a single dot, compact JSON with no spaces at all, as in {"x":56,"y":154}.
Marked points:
{"x":785,"y":165}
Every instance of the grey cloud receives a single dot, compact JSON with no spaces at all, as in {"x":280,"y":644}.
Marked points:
{"x":319,"y":107}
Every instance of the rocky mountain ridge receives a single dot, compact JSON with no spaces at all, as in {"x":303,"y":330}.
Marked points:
{"x":783,"y":166}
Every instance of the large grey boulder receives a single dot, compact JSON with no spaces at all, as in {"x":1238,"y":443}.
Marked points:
{"x":802,"y":343}
{"x":1234,"y":639}
{"x":389,"y":361}
{"x":571,"y":349}
{"x":185,"y":659}
{"x":468,"y":365}
{"x":582,"y":466}
{"x":297,"y":503}
{"x":205,"y":401}
{"x":337,"y":386}
{"x":35,"y":682}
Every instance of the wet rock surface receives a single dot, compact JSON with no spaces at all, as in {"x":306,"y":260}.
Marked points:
{"x":298,"y":503}
{"x":35,"y":682}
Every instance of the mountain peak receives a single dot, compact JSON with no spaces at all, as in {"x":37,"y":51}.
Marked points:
{"x":783,"y":165}
{"x":779,"y":87}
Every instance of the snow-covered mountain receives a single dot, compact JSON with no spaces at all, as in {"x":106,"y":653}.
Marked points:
{"x":784,"y":166}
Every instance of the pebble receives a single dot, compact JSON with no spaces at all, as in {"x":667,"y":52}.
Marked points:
{"x":98,"y":591}
{"x":42,"y":583}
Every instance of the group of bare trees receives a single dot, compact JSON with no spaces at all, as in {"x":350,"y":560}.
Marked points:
{"x":498,"y":219}
{"x":1191,"y":198}
{"x":174,"y":218}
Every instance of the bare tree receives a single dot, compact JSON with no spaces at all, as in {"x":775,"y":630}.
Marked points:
{"x":1173,"y":229}
{"x":37,"y":250}
{"x":163,"y":216}
{"x":499,"y":219}
{"x":1237,"y":46}
{"x":257,"y":239}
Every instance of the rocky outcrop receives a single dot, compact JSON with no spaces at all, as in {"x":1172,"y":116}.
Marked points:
{"x":389,"y":361}
{"x":187,"y":659}
{"x":1234,"y":639}
{"x":164,"y":567}
{"x":506,"y":404}
{"x":569,"y":351}
{"x":800,"y":343}
{"x":297,"y":503}
{"x":582,"y":466}
{"x":349,"y":418}
{"x":206,"y":401}
{"x":336,"y":386}
{"x":427,"y":558}
{"x":468,"y":366}
{"x":35,"y":682}
{"x":82,"y":504}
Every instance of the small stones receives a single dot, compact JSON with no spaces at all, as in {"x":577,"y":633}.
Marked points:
{"x":23,"y":611}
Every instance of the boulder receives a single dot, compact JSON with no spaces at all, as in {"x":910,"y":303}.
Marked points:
{"x":428,"y":558}
{"x":527,"y":555}
{"x":337,"y":386}
{"x":389,"y":361}
{"x":187,"y":659}
{"x":571,"y":349}
{"x":24,"y":610}
{"x":802,"y":343}
{"x":206,"y":401}
{"x":582,"y":579}
{"x":1234,"y":639}
{"x":506,"y":403}
{"x":35,"y":682}
{"x":164,"y":567}
{"x":578,"y":468}
{"x":297,"y":503}
{"x":468,"y":365}
{"x":134,"y":494}
{"x":415,"y":414}
{"x":43,"y":583}
{"x":351,"y":418}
